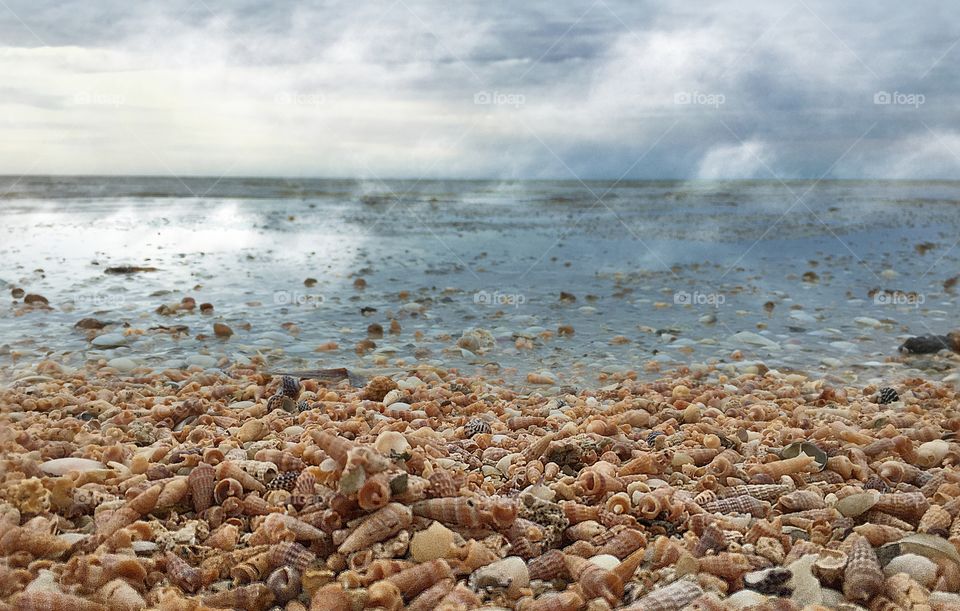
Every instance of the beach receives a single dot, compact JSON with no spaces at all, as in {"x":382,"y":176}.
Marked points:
{"x":323,"y":394}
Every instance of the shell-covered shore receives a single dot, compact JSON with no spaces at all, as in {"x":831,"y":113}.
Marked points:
{"x":240,"y":489}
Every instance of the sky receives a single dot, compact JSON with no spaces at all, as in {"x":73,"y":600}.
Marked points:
{"x":611,"y":89}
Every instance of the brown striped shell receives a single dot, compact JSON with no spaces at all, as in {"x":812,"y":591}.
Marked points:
{"x":382,"y":524}
{"x":862,"y":577}
{"x":201,"y":482}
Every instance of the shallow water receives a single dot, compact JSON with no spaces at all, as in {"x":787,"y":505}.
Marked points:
{"x":442,"y":257}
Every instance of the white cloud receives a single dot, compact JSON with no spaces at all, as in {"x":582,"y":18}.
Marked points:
{"x":737,"y":161}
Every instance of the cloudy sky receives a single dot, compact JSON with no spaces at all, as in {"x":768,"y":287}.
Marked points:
{"x":422,"y":88}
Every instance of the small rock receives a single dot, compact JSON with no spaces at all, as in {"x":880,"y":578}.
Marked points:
{"x":32,"y":299}
{"x":432,"y":543}
{"x":110,"y":340}
{"x":90,"y":323}
{"x":202,"y":360}
{"x":122,"y":364}
{"x":544,"y":377}
{"x":17,"y":293}
{"x":222,"y":330}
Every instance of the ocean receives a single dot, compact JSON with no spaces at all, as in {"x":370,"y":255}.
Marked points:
{"x":577,"y":281}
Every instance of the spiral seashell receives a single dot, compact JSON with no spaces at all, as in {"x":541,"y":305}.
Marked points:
{"x":801,"y":463}
{"x":829,"y":567}
{"x":730,"y":566}
{"x":880,"y":534}
{"x":739,"y":504}
{"x":224,"y":537}
{"x":337,"y":448}
{"x":459,"y":511}
{"x":263,"y":471}
{"x":253,"y":597}
{"x":381,"y":568}
{"x":418,"y":578}
{"x":375,"y":492}
{"x":935,"y":521}
{"x":595,"y":483}
{"x":331,"y":597}
{"x":173,"y":492}
{"x":576,"y":512}
{"x":382,"y":524}
{"x":712,"y":539}
{"x":45,"y":600}
{"x":201,"y":482}
{"x":292,"y":555}
{"x":624,"y":543}
{"x":255,"y":568}
{"x":800,"y":500}
{"x":229,"y":469}
{"x":430,"y":598}
{"x":646,"y":463}
{"x":895,"y":471}
{"x":36,"y":543}
{"x":563,"y":601}
{"x":146,"y":501}
{"x":278,"y":522}
{"x":227,"y":488}
{"x":673,"y":597}
{"x":285,"y":480}
{"x":931,"y":453}
{"x":384,"y":595}
{"x":119,"y":595}
{"x":284,"y":582}
{"x":619,"y":503}
{"x":182,"y":574}
{"x":862,"y":577}
{"x":909,"y":506}
{"x":460,"y":597}
{"x":284,"y":461}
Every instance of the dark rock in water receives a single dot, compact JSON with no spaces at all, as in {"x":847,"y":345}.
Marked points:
{"x":887,"y":395}
{"x":33,"y":299}
{"x":925,"y":344}
{"x":128,"y":269}
{"x":90,"y":323}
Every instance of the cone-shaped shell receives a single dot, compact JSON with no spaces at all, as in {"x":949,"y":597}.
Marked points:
{"x":45,"y":600}
{"x":182,"y":574}
{"x":459,"y":511}
{"x":229,"y":469}
{"x":673,"y":597}
{"x":594,"y":581}
{"x":146,"y":501}
{"x":337,"y":448}
{"x":564,"y":601}
{"x":255,"y":568}
{"x":381,"y":525}
{"x":862,"y":578}
{"x":201,"y":481}
{"x":624,"y":543}
{"x":285,"y":461}
{"x":418,"y":578}
{"x":284,"y":582}
{"x":173,"y":492}
{"x":301,"y":530}
{"x":38,"y":544}
{"x":254,"y":597}
{"x":120,"y":596}
{"x":935,"y":521}
{"x":430,"y":598}
{"x":293,"y":555}
{"x":375,"y":492}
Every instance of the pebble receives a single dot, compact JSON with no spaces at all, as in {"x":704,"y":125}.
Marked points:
{"x":202,"y":360}
{"x":111,"y":340}
{"x":222,"y":330}
{"x":544,"y":377}
{"x":754,"y":339}
{"x":866,"y":321}
{"x":122,"y":364}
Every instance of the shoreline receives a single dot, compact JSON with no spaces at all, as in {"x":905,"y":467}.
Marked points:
{"x":677,"y":488}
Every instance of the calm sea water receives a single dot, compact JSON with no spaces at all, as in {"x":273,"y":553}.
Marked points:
{"x":658,"y":274}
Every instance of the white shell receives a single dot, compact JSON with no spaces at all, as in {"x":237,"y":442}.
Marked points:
{"x":920,"y":569}
{"x":62,"y":466}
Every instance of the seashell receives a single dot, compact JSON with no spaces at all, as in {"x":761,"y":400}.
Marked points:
{"x":896,"y":471}
{"x":459,"y":511}
{"x":862,"y":577}
{"x":909,"y":506}
{"x":624,"y":543}
{"x":764,"y":492}
{"x":922,"y":570}
{"x":801,"y":463}
{"x":62,"y":466}
{"x":223,"y":538}
{"x":935,"y":521}
{"x":173,"y":492}
{"x":418,"y":578}
{"x":229,"y":469}
{"x":119,"y":595}
{"x":146,"y":501}
{"x":829,"y":567}
{"x":252,"y":430}
{"x":460,"y":597}
{"x":182,"y":574}
{"x":285,"y":480}
{"x":931,"y":453}
{"x":384,"y":595}
{"x":293,"y":555}
{"x":337,"y":448}
{"x":739,"y":504}
{"x":284,"y":582}
{"x":905,"y":593}
{"x":253,"y":597}
{"x":673,"y":597}
{"x":278,"y":522}
{"x":443,"y":484}
{"x":564,"y":601}
{"x":331,"y":597}
{"x":550,"y":565}
{"x":432,"y":543}
{"x":255,"y":568}
{"x":53,"y":601}
{"x":227,"y":488}
{"x":594,"y":581}
{"x":430,"y":598}
{"x":284,"y":461}
{"x":803,"y":447}
{"x":801,"y":500}
{"x":382,"y":524}
{"x":728,"y":565}
{"x":857,"y":504}
{"x":510,"y":574}
{"x":36,"y":543}
{"x":595,"y":483}
{"x":201,"y":482}
{"x":712,"y":539}
{"x":375,"y":492}
{"x":473,"y":556}
{"x":263,"y":471}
